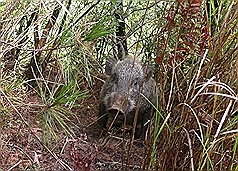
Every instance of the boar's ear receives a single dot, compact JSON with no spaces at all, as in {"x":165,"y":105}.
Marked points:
{"x":148,"y":70}
{"x":109,"y":65}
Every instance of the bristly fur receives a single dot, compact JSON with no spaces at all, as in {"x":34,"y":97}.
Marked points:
{"x":127,"y":79}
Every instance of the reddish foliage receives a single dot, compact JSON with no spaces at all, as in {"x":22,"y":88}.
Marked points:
{"x":81,"y":161}
{"x":205,"y":35}
{"x":194,"y":3}
{"x":170,"y":18}
{"x":183,"y":50}
{"x":174,"y":57}
{"x":160,"y":50}
{"x":188,"y":44}
{"x":192,"y":36}
{"x":159,"y":59}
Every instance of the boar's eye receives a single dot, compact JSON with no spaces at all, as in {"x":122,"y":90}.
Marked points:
{"x":114,"y":78}
{"x":135,"y":84}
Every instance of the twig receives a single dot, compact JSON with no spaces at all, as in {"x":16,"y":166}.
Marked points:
{"x":66,"y":142}
{"x":203,"y":87}
{"x":190,"y":149}
{"x":171,"y":87}
{"x":222,"y":94}
{"x":17,"y":163}
{"x":35,"y":49}
{"x":217,"y":132}
{"x":196,"y":117}
{"x":199,"y":72}
{"x":87,"y":11}
{"x":14,"y":146}
{"x":64,"y":8}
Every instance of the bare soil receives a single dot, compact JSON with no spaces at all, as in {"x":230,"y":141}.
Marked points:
{"x":87,"y":150}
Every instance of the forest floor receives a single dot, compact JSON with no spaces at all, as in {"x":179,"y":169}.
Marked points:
{"x":88,"y":150}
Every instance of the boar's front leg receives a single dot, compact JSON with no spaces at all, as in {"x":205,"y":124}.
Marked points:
{"x":102,"y":116}
{"x":146,"y":119}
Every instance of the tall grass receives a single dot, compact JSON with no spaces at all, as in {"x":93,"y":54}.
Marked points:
{"x":199,"y":87}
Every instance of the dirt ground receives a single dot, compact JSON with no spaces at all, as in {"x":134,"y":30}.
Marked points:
{"x":88,"y":150}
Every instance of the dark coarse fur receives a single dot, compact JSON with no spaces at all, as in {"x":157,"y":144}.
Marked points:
{"x":120,"y":93}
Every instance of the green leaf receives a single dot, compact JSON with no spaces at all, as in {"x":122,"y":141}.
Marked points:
{"x":104,"y":27}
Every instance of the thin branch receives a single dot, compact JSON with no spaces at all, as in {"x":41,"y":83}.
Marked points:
{"x":16,"y":164}
{"x":190,"y":149}
{"x":87,"y":11}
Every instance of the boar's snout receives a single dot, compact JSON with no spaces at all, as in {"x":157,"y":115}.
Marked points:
{"x":117,"y":103}
{"x":115,"y":110}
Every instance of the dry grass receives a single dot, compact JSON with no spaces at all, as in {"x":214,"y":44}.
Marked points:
{"x":202,"y":131}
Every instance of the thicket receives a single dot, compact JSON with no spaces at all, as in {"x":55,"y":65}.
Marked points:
{"x":53,"y":47}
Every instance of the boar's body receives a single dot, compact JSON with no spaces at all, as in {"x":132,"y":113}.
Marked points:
{"x":120,"y":93}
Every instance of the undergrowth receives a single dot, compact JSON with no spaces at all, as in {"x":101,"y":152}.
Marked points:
{"x":53,"y":53}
